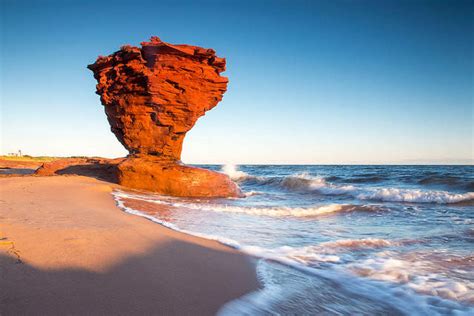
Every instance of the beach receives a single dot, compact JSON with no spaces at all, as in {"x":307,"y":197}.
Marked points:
{"x":164,"y":158}
{"x":76,"y":252}
{"x":338,"y":240}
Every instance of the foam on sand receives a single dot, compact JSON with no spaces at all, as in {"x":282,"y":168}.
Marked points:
{"x":277,"y":211}
{"x":358,"y":243}
{"x":416,"y":271}
{"x":416,"y":293}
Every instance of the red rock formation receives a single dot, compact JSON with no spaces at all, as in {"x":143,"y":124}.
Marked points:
{"x":100,"y":168}
{"x":153,"y":96}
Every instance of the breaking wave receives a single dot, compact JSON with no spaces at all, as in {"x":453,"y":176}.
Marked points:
{"x":304,"y":182}
{"x":234,"y":173}
{"x":329,"y":261}
{"x":414,"y":196}
{"x":318,"y":253}
{"x":279,"y":211}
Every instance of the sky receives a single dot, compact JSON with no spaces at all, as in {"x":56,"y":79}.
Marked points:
{"x":311,"y":82}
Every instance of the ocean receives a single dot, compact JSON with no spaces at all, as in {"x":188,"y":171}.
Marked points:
{"x":339,"y":239}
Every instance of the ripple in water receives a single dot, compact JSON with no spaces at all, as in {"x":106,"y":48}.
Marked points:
{"x":339,"y":239}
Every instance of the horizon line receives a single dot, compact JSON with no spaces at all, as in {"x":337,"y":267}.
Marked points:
{"x":437,"y":162}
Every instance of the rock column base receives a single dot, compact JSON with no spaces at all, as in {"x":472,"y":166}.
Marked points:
{"x":175,"y":179}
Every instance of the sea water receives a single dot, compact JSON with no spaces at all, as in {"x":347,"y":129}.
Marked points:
{"x":340,"y":240}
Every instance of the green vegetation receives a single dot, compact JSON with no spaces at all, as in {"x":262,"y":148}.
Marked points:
{"x":29,"y":158}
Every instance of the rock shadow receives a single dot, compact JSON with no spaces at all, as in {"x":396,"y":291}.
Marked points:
{"x":174,"y":278}
{"x":104,"y":172}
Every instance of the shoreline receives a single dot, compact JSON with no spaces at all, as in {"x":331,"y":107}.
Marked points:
{"x":81,"y":254}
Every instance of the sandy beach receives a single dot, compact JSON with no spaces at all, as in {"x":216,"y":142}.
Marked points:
{"x":80,"y":254}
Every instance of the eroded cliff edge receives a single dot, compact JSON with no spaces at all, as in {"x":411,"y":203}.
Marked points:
{"x":153,"y":96}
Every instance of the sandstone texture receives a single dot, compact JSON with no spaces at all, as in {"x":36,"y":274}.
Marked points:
{"x":100,"y":168}
{"x":174,"y":179}
{"x":153,"y":96}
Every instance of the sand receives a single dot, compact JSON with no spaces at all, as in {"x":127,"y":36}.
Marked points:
{"x":80,"y":254}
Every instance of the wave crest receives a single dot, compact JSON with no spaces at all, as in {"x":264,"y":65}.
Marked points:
{"x":316,"y":184}
{"x":304,"y":182}
{"x":276,"y":211}
{"x":234,"y":173}
{"x":282,"y":211}
{"x":414,"y":196}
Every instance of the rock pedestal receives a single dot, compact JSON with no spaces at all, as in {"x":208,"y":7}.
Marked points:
{"x":153,"y":96}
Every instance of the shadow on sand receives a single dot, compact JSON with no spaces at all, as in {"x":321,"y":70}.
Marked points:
{"x":104,"y":172}
{"x":174,"y":278}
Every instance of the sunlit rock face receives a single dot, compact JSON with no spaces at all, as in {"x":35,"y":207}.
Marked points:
{"x":153,"y":96}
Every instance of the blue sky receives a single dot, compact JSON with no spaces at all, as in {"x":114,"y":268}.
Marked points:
{"x":310,"y":81}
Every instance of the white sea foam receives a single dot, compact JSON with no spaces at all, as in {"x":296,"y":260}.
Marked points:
{"x":378,"y":194}
{"x":416,"y":273}
{"x":291,"y":255}
{"x":279,"y":211}
{"x":118,"y":195}
{"x":358,"y":243}
{"x":284,"y":254}
{"x":304,"y":259}
{"x":304,"y":181}
{"x":252,"y":193}
{"x":308,"y":183}
{"x":401,"y":289}
{"x":344,"y":285}
{"x":234,"y":173}
{"x":272,"y":211}
{"x":414,"y":196}
{"x":323,"y":252}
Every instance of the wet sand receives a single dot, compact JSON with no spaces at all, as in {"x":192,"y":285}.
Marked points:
{"x":80,"y":254}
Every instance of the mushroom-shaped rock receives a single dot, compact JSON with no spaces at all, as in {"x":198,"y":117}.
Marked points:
{"x":153,"y":96}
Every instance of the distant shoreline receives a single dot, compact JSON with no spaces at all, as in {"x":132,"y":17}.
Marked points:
{"x":41,"y":159}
